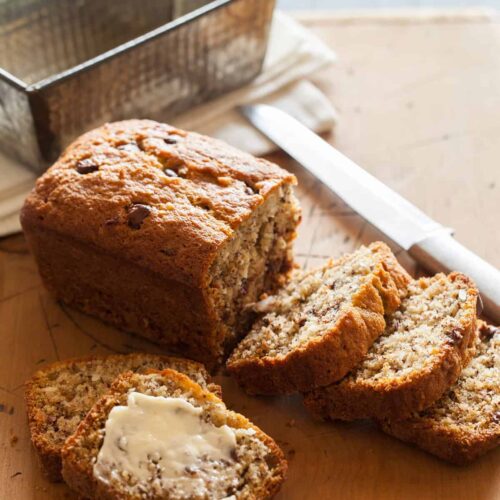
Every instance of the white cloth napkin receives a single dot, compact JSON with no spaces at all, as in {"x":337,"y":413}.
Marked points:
{"x":293,"y":54}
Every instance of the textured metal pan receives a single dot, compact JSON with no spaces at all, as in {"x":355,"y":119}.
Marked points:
{"x":69,"y":65}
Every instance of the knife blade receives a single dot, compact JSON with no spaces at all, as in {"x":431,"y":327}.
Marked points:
{"x":430,"y":243}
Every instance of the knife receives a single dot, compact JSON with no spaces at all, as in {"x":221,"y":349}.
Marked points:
{"x":427,"y":241}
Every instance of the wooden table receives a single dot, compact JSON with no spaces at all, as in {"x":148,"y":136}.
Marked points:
{"x":419,"y":102}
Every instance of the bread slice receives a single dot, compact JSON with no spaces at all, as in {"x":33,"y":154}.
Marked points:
{"x":321,"y":325}
{"x":253,"y":469}
{"x":420,"y":355}
{"x":59,"y":396}
{"x":465,"y":422}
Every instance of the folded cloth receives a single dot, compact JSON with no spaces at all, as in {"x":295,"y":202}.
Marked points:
{"x":293,"y":54}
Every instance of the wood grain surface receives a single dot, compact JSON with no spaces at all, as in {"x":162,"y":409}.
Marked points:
{"x":419,"y":102}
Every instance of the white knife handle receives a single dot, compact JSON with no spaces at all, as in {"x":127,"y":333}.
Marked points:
{"x":442,"y":253}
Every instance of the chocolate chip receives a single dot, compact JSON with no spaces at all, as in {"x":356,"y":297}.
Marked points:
{"x":170,"y":173}
{"x":486,"y":331}
{"x":170,"y":140}
{"x":250,"y":190}
{"x":272,"y":461}
{"x":176,"y":165}
{"x":456,"y":336}
{"x":136,"y":215}
{"x":479,"y":305}
{"x":86,"y":166}
{"x":496,"y":417}
{"x":191,"y":470}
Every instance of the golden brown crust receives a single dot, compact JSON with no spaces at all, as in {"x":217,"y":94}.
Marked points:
{"x":396,"y":273}
{"x":39,"y":420}
{"x":131,"y":157}
{"x":330,"y":357}
{"x":457,"y":448}
{"x":349,"y":400}
{"x":78,"y":465}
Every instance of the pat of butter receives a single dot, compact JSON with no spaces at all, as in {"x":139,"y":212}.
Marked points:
{"x":160,"y":439}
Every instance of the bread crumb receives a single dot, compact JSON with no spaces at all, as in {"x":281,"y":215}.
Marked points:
{"x":13,"y":440}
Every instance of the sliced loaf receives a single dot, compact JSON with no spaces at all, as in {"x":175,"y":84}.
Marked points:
{"x":59,"y":396}
{"x":421,"y":354}
{"x":465,"y":422}
{"x":321,"y":325}
{"x":245,"y":463}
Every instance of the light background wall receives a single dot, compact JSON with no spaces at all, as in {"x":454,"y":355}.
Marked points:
{"x":359,"y":4}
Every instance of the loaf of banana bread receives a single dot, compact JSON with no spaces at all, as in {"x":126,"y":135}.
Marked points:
{"x":162,"y":232}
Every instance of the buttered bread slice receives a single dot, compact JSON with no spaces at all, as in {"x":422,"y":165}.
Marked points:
{"x":160,"y":435}
{"x":321,"y":325}
{"x":465,"y":423}
{"x":422,"y":353}
{"x":59,"y":396}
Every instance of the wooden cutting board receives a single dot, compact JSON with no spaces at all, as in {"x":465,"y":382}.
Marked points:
{"x":419,"y":99}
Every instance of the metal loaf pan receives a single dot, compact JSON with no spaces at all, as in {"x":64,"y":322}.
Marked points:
{"x":69,"y":65}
